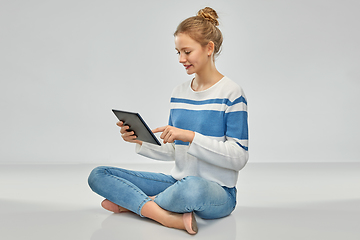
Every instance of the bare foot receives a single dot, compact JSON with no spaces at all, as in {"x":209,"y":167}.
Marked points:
{"x":184,"y":221}
{"x":112,"y":207}
{"x":190,"y":223}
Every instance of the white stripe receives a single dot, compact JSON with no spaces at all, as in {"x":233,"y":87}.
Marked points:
{"x":213,"y":107}
{"x":223,"y":139}
{"x":219,"y":139}
{"x":237,"y":107}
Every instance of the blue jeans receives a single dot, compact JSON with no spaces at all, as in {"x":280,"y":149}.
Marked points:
{"x":130,"y":190}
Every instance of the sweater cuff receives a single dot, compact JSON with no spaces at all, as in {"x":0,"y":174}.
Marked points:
{"x":139,"y":149}
{"x":195,"y":142}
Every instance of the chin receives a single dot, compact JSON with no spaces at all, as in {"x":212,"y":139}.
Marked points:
{"x":190,"y":72}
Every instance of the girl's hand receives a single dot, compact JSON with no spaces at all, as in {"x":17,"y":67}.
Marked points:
{"x":127,"y":136}
{"x":170,"y":134}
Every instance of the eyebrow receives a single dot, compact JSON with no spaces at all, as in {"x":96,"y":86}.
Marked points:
{"x":184,"y":48}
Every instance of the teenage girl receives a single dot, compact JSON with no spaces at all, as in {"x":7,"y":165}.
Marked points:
{"x":207,"y":137}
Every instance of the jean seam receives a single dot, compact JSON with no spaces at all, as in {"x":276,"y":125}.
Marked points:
{"x":119,"y":179}
{"x":229,"y":198}
{"x":141,"y":205}
{"x":130,"y":173}
{"x":219,"y":204}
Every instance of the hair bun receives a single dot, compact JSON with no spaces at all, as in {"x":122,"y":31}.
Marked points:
{"x":209,"y":14}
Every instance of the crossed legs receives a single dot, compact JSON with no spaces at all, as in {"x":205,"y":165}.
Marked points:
{"x":151,"y":210}
{"x":172,"y":203}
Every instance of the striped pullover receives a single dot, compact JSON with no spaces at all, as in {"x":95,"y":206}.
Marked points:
{"x":218,"y":116}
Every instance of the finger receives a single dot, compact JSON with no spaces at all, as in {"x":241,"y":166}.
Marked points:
{"x":129,"y":138}
{"x":166,"y":135}
{"x":159,"y":129}
{"x":136,"y":141}
{"x":124,"y":129}
{"x":171,"y":139}
{"x":127,"y":134}
{"x":120,"y":123}
{"x":165,"y":139}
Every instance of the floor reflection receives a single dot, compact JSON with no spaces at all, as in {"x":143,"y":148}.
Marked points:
{"x":118,"y":226}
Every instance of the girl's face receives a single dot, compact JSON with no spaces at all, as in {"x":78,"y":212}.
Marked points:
{"x":192,"y":55}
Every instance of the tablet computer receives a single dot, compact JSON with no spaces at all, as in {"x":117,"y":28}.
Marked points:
{"x":138,"y":125}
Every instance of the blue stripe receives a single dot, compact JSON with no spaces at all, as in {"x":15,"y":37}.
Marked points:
{"x":246,"y":148}
{"x":206,"y":122}
{"x":237,"y":125}
{"x":179,"y":142}
{"x":226,"y":101}
{"x":239,"y":100}
{"x":211,"y":123}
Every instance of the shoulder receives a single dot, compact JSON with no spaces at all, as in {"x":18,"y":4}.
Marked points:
{"x":231,"y":89}
{"x":183,"y":87}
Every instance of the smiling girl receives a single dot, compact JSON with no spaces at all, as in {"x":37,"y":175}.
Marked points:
{"x":207,"y":137}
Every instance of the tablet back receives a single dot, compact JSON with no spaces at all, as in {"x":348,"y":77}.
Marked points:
{"x":138,"y":125}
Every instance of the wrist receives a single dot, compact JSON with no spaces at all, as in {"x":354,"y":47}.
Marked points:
{"x":191,"y":136}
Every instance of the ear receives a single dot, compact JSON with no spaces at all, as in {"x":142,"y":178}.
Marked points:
{"x":210,"y":48}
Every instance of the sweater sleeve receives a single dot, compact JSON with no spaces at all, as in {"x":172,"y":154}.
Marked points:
{"x":165,"y":152}
{"x":228,"y":154}
{"x":232,"y":151}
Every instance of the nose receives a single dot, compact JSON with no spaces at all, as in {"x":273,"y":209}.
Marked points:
{"x":182,"y":58}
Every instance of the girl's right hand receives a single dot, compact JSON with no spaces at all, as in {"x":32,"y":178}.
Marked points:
{"x":127,"y":136}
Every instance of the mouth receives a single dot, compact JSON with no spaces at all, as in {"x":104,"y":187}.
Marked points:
{"x":187,"y":66}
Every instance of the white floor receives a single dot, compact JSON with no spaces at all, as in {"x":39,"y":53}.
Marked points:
{"x":275,"y":201}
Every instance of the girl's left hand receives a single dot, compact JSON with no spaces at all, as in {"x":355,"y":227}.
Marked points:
{"x":170,"y":134}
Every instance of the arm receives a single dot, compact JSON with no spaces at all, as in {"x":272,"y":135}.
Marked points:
{"x":164,"y":152}
{"x":169,"y":134}
{"x":232,"y":152}
{"x":229,"y":149}
{"x":228,"y":154}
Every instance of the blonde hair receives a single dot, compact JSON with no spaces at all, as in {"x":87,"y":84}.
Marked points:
{"x":203,"y":28}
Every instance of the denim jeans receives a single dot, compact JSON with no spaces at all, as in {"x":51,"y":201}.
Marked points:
{"x":130,"y":189}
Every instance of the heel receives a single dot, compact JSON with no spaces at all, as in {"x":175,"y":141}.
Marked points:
{"x":190,"y":223}
{"x":110,"y":206}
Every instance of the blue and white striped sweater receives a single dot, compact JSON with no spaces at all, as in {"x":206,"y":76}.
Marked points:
{"x":218,"y":116}
{"x":213,"y":123}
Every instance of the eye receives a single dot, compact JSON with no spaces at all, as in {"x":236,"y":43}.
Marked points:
{"x":177,"y":52}
{"x":187,"y":52}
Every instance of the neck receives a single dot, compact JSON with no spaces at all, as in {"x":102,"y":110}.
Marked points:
{"x":206,"y":78}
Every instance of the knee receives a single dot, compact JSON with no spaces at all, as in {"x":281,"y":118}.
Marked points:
{"x":193,"y":188}
{"x":94,"y":176}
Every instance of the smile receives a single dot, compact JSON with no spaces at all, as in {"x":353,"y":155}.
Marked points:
{"x":187,"y":66}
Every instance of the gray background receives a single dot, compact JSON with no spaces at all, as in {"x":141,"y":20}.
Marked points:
{"x":65,"y":64}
